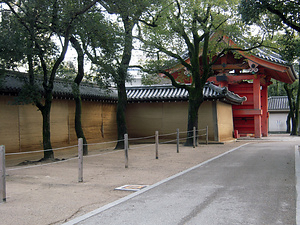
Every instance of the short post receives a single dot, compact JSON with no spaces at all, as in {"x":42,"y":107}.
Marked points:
{"x":156,"y":144}
{"x":126,"y":149}
{"x":177,"y":130}
{"x":2,"y":174}
{"x":194,"y":137}
{"x":80,"y":160}
{"x":207,"y":135}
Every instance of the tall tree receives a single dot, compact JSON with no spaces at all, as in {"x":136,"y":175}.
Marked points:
{"x":292,"y":116}
{"x":289,"y":48}
{"x":285,"y":16}
{"x":92,"y":33}
{"x":39,"y":22}
{"x":76,"y":92}
{"x":128,"y":13}
{"x":190,"y":33}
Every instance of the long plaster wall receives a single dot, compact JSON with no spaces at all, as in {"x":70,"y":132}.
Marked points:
{"x":143,"y":119}
{"x":21,"y":125}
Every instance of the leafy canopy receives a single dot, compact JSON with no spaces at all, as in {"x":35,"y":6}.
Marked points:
{"x":178,"y":30}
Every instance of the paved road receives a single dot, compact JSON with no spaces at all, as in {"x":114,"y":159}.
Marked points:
{"x":254,"y":184}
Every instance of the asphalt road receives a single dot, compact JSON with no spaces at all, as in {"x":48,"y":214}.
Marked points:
{"x":254,"y":184}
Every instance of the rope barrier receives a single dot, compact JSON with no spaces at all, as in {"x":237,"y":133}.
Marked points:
{"x":164,"y":135}
{"x":183,"y":132}
{"x":66,"y":160}
{"x":201,"y":129}
{"x":109,"y":142}
{"x":189,"y":137}
{"x":110,"y":152}
{"x":133,"y":139}
{"x":80,"y":145}
{"x":168,"y":141}
{"x":45,"y":164}
{"x":101,"y":143}
{"x":184,"y":138}
{"x":105,"y":153}
{"x":143,"y":146}
{"x":55,"y":149}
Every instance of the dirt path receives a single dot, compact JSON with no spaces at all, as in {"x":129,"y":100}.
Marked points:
{"x":50,"y":194}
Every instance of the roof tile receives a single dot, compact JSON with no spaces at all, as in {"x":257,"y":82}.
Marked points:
{"x":170,"y":93}
{"x":62,"y":88}
{"x":278,"y":103}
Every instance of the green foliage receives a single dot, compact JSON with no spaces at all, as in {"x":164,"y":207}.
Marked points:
{"x":102,"y":41}
{"x":12,"y":48}
{"x":29,"y":94}
{"x":67,"y":71}
{"x":282,"y":16}
{"x":187,"y":37}
{"x":276,"y":88}
{"x":153,"y":79}
{"x":33,"y":26}
{"x":271,"y":14}
{"x":107,"y":38}
{"x":289,"y":45}
{"x":114,"y":61}
{"x":178,"y":30}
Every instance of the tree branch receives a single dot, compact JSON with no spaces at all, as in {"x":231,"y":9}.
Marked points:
{"x":66,"y":41}
{"x":167,"y":52}
{"x":283,"y":17}
{"x":148,"y":24}
{"x":203,"y":21}
{"x":80,"y":59}
{"x":260,"y":44}
{"x":179,"y":9}
{"x":179,"y":29}
{"x":174,"y":83}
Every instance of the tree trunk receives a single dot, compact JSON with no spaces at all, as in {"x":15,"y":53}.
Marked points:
{"x":48,"y":152}
{"x":122,"y":75}
{"x":194,"y":105}
{"x":292,"y":108}
{"x":78,"y":126}
{"x":76,"y":93}
{"x":294,"y":125}
{"x":121,"y":114}
{"x":288,"y":123}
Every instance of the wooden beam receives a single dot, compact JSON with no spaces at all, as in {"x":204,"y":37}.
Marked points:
{"x":257,"y":106}
{"x":230,"y":66}
{"x":247,"y":112}
{"x":233,"y":78}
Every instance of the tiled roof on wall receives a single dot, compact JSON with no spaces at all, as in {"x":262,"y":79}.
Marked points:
{"x":278,"y":103}
{"x":170,"y":93}
{"x":13,"y":83}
